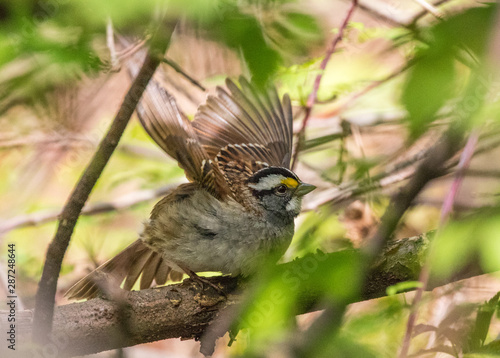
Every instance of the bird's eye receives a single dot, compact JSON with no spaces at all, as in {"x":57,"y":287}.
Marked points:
{"x":280,"y":189}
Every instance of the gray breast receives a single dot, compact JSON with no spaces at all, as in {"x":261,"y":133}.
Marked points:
{"x":205,"y":234}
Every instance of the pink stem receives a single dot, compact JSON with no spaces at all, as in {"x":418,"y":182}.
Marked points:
{"x":446,"y":209}
{"x":314,"y":93}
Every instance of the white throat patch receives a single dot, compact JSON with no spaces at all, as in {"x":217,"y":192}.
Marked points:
{"x":294,"y":205}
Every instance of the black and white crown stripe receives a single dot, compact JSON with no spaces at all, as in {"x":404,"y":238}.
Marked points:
{"x":268,"y":178}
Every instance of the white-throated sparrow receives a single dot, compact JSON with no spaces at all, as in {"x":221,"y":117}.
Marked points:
{"x":240,"y":204}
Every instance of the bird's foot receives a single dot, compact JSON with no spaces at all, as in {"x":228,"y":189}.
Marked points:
{"x":202,"y":281}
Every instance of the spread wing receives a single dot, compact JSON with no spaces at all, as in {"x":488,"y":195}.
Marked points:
{"x":162,"y":120}
{"x":247,"y":123}
{"x":173,"y":132}
{"x":239,"y":131}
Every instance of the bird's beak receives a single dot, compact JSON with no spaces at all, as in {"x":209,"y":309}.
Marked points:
{"x":303,"y":189}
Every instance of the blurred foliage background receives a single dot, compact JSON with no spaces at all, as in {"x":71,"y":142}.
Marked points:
{"x":402,"y":75}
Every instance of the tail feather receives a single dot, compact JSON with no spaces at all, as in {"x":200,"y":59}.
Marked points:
{"x":134,"y":271}
{"x":162,"y":272}
{"x":148,"y":274}
{"x":128,"y":265}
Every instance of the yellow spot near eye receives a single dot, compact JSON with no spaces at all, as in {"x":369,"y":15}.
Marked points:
{"x":290,"y":182}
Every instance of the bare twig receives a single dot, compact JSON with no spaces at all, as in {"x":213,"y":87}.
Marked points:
{"x":353,"y":97}
{"x":44,"y":306}
{"x":388,"y":16}
{"x":432,"y":167}
{"x":463,"y":164}
{"x":178,"y":69}
{"x":73,"y":141}
{"x":429,"y":8}
{"x":375,"y":12}
{"x":133,"y":48}
{"x":314,"y":93}
{"x":60,"y":139}
{"x":425,"y":12}
{"x":123,"y":202}
{"x":110,"y":42}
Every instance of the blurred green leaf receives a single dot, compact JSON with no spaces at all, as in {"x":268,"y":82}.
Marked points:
{"x":292,"y":33}
{"x":429,"y":85}
{"x":453,"y":247}
{"x":489,"y":243}
{"x":402,"y":287}
{"x":283,"y":291}
{"x":481,"y":327}
{"x":346,"y":346}
{"x":434,"y":79}
{"x":463,"y":240}
{"x":242,"y":32}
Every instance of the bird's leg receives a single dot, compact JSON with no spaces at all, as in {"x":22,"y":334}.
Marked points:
{"x":202,"y":281}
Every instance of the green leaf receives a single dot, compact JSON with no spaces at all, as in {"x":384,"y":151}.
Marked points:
{"x":482,"y":323}
{"x":242,"y":32}
{"x":303,"y":22}
{"x":429,"y":85}
{"x":403,"y":287}
{"x":453,"y":247}
{"x":433,"y":80}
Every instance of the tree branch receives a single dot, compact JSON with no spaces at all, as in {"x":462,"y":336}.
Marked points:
{"x":95,"y":325}
{"x":47,"y":286}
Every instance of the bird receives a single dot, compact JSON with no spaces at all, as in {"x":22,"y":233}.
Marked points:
{"x":239,"y":204}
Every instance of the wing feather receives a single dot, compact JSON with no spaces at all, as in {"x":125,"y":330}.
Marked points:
{"x":246,"y":115}
{"x":172,"y":131}
{"x":256,"y":120}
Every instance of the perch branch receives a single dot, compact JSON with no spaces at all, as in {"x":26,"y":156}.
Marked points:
{"x":93,"y":326}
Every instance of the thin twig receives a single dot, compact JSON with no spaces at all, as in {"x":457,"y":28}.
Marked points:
{"x":424,"y":12}
{"x":429,"y":8}
{"x":110,"y":42}
{"x":120,"y":203}
{"x":62,"y":140}
{"x":78,"y":142}
{"x":341,"y":164}
{"x":44,"y":306}
{"x":133,"y":48}
{"x":178,"y":69}
{"x":432,"y":167}
{"x":374,"y":12}
{"x":314,"y":93}
{"x":345,"y":192}
{"x":393,"y":21}
{"x":446,"y":210}
{"x":352,"y":98}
